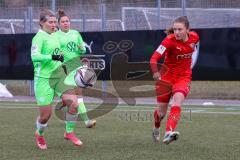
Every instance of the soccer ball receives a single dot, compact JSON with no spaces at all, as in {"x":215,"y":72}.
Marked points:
{"x":85,"y":77}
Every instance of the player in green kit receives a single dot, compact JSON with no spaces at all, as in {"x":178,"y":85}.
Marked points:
{"x":48,"y":73}
{"x":72,"y":45}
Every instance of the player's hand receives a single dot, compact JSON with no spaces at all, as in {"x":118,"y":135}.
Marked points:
{"x":58,"y":57}
{"x":81,"y":48}
{"x":157,"y":76}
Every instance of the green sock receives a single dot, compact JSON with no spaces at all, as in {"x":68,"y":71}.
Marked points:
{"x":40,"y":132}
{"x":70,"y":125}
{"x":40,"y":127}
{"x":83,"y":112}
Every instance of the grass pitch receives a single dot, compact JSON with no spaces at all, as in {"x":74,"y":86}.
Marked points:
{"x":210,"y":133}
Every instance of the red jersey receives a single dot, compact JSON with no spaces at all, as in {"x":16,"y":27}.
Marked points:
{"x":178,"y":55}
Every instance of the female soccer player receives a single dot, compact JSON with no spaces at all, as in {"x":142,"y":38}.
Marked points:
{"x":47,"y":61}
{"x":177,"y":48}
{"x":73,"y":47}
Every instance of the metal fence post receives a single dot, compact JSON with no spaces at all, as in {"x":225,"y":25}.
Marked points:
{"x":84,"y":23}
{"x":25,"y":22}
{"x":53,"y":5}
{"x":136,"y":21}
{"x":30,"y":16}
{"x":103,"y":16}
{"x":183,"y":7}
{"x":31,"y":87}
{"x":104,"y":88}
{"x":158,"y":13}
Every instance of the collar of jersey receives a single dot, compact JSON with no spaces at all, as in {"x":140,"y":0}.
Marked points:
{"x":64,"y":32}
{"x":40,"y":30}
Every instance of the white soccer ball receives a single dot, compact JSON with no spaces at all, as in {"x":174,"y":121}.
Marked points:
{"x":85,"y":77}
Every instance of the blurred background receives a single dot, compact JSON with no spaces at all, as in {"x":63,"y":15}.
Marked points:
{"x":21,"y":16}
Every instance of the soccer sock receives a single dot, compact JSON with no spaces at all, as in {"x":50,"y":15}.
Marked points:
{"x":40,"y":127}
{"x":70,"y":122}
{"x":173,"y":118}
{"x":82,"y":111}
{"x":156,"y":118}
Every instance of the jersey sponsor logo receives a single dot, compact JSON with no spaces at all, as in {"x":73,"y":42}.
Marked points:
{"x":34,"y":49}
{"x":184,"y":56}
{"x":71,"y":46}
{"x":161,"y":49}
{"x":178,"y":48}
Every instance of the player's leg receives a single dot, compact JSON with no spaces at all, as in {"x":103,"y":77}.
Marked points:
{"x":82,"y":111}
{"x":180,"y":91}
{"x":158,"y":115}
{"x":44,"y":96}
{"x":163,"y":91}
{"x":69,"y":80}
{"x":70,"y":99}
{"x":41,"y":124}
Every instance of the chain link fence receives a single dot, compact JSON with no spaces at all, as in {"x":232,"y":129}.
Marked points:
{"x":21,"y":16}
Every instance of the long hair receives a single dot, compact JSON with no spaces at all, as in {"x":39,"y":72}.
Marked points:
{"x":44,"y":15}
{"x":183,"y":19}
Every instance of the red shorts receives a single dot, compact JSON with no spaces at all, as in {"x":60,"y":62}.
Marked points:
{"x":167,"y":87}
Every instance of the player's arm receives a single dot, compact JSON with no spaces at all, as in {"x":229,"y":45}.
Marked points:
{"x":195,"y":54}
{"x":81,"y":44}
{"x":161,"y":51}
{"x":36,"y":55}
{"x":196,"y":48}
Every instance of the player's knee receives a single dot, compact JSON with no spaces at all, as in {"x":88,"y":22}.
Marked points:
{"x":44,"y":119}
{"x":73,"y":109}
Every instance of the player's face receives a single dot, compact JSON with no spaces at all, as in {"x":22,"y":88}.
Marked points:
{"x":50,"y":25}
{"x":64,"y":23}
{"x":180,"y":31}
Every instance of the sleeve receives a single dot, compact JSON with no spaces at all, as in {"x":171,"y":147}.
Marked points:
{"x":161,"y":51}
{"x":196,"y":49}
{"x":195,"y":55}
{"x":81,"y":44}
{"x":36,"y":55}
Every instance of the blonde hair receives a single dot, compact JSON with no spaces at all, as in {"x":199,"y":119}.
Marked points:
{"x":44,"y":15}
{"x":183,"y":19}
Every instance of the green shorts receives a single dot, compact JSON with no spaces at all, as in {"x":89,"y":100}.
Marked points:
{"x":45,"y":89}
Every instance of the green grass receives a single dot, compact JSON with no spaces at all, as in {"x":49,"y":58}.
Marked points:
{"x":199,"y":89}
{"x":206,"y":136}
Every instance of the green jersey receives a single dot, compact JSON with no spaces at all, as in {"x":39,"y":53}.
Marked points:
{"x":72,"y":46}
{"x":44,"y":45}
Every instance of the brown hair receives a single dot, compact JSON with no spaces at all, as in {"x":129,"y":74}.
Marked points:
{"x":61,"y":14}
{"x":183,"y":19}
{"x":44,"y":15}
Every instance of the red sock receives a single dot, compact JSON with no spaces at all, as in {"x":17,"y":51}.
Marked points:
{"x":173,"y":118}
{"x":156,"y":118}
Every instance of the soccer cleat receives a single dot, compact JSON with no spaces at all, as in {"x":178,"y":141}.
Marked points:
{"x":170,"y":136}
{"x":91,"y":123}
{"x":40,"y":140}
{"x":156,"y":134}
{"x":72,"y":137}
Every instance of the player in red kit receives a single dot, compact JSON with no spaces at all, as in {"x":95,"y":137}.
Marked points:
{"x":177,"y":49}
